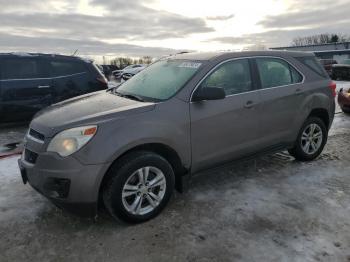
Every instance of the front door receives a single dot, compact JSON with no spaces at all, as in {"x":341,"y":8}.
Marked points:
{"x":26,"y":88}
{"x":222,"y":130}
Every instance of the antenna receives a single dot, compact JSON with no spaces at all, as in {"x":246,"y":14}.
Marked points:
{"x":75,"y":52}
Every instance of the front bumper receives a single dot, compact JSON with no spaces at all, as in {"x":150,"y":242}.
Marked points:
{"x":65,"y":181}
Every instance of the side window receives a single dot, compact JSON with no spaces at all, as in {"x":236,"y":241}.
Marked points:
{"x":63,"y":68}
{"x":234,"y":77}
{"x":21,"y":68}
{"x":274,"y":72}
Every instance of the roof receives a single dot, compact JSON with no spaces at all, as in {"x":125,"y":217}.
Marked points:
{"x":214,"y":55}
{"x":24,"y":54}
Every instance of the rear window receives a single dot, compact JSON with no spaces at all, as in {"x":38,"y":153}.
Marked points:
{"x":63,"y":68}
{"x":314,"y":65}
{"x":19,"y":68}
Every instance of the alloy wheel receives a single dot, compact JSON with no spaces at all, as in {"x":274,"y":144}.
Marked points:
{"x":311,"y":139}
{"x":144,"y":190}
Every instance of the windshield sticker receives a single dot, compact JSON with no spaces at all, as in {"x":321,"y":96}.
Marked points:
{"x":190,"y":65}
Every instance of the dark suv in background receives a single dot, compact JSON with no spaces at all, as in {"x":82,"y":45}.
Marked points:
{"x":30,"y":82}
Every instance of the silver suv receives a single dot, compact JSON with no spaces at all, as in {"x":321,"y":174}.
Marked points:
{"x":129,"y":147}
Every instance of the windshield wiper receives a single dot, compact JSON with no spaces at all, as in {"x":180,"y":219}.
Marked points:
{"x":130,"y":96}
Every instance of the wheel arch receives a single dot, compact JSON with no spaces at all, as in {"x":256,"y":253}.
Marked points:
{"x":322,"y":114}
{"x":161,"y":149}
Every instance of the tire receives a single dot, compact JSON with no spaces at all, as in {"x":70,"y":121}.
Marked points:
{"x":345,"y":111}
{"x":299,"y":151}
{"x":126,"y":174}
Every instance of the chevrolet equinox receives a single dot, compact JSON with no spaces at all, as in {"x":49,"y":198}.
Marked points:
{"x":129,"y":147}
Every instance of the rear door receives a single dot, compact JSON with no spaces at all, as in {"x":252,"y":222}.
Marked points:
{"x":70,"y":78}
{"x":281,"y":96}
{"x":222,"y":130}
{"x":25,"y":87}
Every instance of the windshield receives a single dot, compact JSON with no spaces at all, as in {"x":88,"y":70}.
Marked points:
{"x":161,"y":80}
{"x":347,"y":61}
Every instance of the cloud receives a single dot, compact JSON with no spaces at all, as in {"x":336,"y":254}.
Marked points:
{"x":124,"y":21}
{"x":277,"y":37}
{"x":303,"y":18}
{"x":92,"y":25}
{"x":31,"y":6}
{"x":12,"y":43}
{"x":245,"y":39}
{"x":121,"y":25}
{"x":220,"y":17}
{"x":314,"y":14}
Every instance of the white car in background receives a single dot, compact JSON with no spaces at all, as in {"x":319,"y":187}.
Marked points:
{"x":129,"y":71}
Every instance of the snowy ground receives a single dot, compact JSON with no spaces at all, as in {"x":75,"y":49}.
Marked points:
{"x":276,"y":210}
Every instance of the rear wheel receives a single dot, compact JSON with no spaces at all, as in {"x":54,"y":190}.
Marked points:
{"x":311,"y":140}
{"x":139,"y":187}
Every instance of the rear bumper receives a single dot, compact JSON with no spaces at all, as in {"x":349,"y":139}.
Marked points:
{"x":66,"y":182}
{"x":343,"y":100}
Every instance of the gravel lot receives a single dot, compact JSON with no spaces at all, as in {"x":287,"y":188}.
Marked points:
{"x":271,"y":209}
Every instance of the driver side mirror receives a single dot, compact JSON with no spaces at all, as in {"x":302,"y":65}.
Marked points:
{"x":208,"y":93}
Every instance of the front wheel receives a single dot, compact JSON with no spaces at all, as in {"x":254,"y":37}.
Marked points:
{"x":139,"y":187}
{"x":311,"y":140}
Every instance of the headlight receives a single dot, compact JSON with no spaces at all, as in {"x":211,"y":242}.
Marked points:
{"x":70,"y":141}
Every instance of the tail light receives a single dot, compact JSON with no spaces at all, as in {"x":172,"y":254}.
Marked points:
{"x":333,"y":87}
{"x":102,"y":80}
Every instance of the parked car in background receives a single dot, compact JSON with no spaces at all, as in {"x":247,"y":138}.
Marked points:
{"x":131,"y":69}
{"x":344,"y":100}
{"x":130,"y":146}
{"x":126,"y":76}
{"x":327,"y":64}
{"x":30,"y":82}
{"x":113,"y":67}
{"x":341,"y":71}
{"x":108,"y":69}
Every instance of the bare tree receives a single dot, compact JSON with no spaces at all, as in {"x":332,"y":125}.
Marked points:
{"x":319,"y":39}
{"x":122,"y":62}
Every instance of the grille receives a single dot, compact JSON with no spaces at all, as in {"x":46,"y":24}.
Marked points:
{"x":36,"y":135}
{"x":30,"y":156}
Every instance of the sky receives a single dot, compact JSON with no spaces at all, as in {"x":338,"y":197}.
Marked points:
{"x":138,"y":28}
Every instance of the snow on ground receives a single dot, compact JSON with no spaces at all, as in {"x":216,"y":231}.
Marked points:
{"x":17,"y":202}
{"x":274,"y":209}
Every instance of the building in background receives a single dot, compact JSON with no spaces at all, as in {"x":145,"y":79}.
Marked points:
{"x":336,"y":51}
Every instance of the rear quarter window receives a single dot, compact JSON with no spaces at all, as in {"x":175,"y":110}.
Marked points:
{"x":65,"y":68}
{"x":313,"y":64}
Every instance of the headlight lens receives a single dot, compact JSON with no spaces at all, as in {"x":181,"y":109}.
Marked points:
{"x":70,"y":141}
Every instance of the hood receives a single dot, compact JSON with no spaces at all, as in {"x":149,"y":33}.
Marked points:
{"x":92,"y":108}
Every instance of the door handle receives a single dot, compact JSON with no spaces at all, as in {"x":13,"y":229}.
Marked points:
{"x":44,"y":86}
{"x":249,"y":104}
{"x":298,"y":91}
